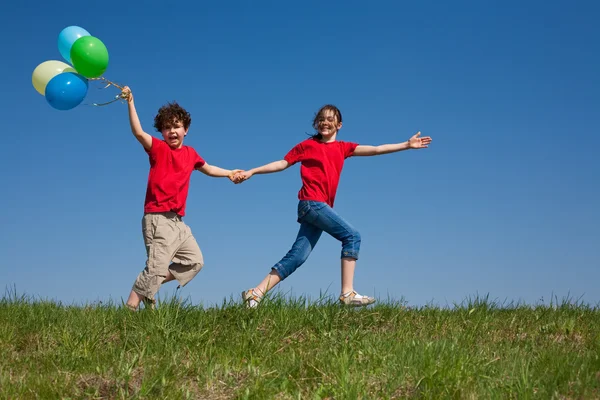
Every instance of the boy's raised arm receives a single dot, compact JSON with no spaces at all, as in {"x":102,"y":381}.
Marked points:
{"x":134,"y":121}
{"x":415,"y":142}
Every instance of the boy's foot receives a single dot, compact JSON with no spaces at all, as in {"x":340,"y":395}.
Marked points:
{"x":251,"y":298}
{"x":149,"y":303}
{"x":356,"y":300}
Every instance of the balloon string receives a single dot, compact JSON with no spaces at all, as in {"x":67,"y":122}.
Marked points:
{"x":120,"y":96}
{"x":107,"y":81}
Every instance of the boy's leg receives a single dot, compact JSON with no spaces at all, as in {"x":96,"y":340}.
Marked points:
{"x":161,"y":236}
{"x":135,"y":299}
{"x":188,"y":259}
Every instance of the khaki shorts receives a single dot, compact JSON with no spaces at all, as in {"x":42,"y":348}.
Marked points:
{"x":170,"y":246}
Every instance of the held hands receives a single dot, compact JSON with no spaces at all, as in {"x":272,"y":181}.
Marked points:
{"x":239,"y":176}
{"x":418,"y":142}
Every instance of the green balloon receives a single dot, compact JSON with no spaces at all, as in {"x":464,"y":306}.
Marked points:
{"x":89,"y":56}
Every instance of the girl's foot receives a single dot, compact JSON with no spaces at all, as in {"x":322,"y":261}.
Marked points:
{"x":251,"y":298}
{"x":356,"y":300}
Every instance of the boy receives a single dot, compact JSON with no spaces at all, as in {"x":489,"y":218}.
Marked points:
{"x":171,"y":248}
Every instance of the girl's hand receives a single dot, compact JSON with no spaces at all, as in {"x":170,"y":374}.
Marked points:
{"x":418,"y":142}
{"x":233,"y":175}
{"x":241,"y":176}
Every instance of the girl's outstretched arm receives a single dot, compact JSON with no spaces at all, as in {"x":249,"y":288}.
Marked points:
{"x":415,"y":142}
{"x":275,"y":166}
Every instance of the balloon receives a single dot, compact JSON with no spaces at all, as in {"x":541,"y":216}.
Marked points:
{"x":67,"y":37}
{"x":66,"y":91}
{"x":43,"y":73}
{"x":89,"y":56}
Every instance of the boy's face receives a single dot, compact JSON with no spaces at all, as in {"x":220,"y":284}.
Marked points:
{"x":173,"y":133}
{"x":328,"y":124}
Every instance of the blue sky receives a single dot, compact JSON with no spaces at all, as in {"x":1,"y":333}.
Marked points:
{"x":504,"y":202}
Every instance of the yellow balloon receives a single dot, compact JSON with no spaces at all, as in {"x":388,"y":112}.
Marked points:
{"x":43,"y":73}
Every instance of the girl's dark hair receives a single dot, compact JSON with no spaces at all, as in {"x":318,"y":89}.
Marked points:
{"x":170,"y":113}
{"x":327,"y":107}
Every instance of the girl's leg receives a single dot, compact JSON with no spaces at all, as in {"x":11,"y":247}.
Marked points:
{"x":270,"y":281}
{"x":324,"y":217}
{"x":307,"y":238}
{"x":348,"y":266}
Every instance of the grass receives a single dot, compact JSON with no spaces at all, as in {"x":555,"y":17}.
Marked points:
{"x":293,"y":349}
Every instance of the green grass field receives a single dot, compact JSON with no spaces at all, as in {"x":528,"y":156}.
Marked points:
{"x":288,"y":349}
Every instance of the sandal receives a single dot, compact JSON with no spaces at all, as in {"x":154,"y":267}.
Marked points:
{"x":356,"y":300}
{"x":251,"y":298}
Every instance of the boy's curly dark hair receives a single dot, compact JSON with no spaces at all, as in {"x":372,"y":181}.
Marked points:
{"x":169,"y":113}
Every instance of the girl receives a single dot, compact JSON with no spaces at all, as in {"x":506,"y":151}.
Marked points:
{"x":322,"y":159}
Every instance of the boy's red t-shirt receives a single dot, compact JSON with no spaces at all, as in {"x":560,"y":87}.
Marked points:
{"x":169,"y":177}
{"x":321,"y":168}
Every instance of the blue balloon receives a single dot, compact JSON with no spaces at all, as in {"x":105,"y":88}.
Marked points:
{"x":67,"y":37}
{"x":66,"y":91}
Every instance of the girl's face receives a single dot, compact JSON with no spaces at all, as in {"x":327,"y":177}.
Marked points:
{"x":328,"y":124}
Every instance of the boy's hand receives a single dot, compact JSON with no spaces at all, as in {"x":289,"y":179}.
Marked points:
{"x":241,"y":176}
{"x":126,"y":94}
{"x":417,"y":142}
{"x":233,"y":176}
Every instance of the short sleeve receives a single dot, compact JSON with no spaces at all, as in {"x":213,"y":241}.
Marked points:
{"x":349,"y":148}
{"x":158,"y":147}
{"x":294,"y":155}
{"x":197,"y":160}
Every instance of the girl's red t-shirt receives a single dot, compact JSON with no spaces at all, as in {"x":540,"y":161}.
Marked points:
{"x":321,"y":168}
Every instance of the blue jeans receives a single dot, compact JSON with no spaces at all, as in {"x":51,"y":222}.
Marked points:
{"x":314,"y":218}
